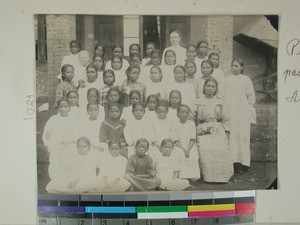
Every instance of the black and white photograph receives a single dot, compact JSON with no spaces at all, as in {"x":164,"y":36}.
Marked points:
{"x":148,"y":103}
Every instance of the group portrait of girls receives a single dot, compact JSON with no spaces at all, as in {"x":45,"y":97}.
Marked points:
{"x":162,"y":122}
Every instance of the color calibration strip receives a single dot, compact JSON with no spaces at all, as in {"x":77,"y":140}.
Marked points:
{"x":171,"y":209}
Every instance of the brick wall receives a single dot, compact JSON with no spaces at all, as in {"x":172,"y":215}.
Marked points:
{"x":219,"y":34}
{"x":61,"y":29}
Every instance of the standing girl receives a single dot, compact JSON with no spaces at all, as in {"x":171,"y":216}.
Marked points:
{"x":132,"y":83}
{"x":207,"y":68}
{"x":217,"y":73}
{"x":184,"y":137}
{"x":191,"y":70}
{"x":117,"y":51}
{"x":134,"y":49}
{"x":72,"y":59}
{"x":99,"y":62}
{"x":73,"y":97}
{"x":174,"y":102}
{"x":161,"y":127}
{"x":151,"y":103}
{"x":240,"y":98}
{"x":99,"y":50}
{"x":149,"y":48}
{"x":157,"y":85}
{"x":108,"y":80}
{"x":213,"y":135}
{"x":169,"y":65}
{"x":134,"y":97}
{"x":119,"y":70}
{"x":137,"y":127}
{"x":202,"y":48}
{"x":155,"y":61}
{"x":112,"y":128}
{"x":114,"y":96}
{"x":91,"y":81}
{"x":67,"y":84}
{"x":186,"y":89}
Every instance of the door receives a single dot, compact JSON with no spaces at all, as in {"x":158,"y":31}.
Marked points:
{"x":108,"y":31}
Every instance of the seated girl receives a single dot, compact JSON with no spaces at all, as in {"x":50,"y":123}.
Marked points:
{"x":113,"y":169}
{"x":168,"y":169}
{"x":140,"y":170}
{"x":76,"y":172}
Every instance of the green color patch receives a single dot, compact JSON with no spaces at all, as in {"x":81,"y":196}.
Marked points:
{"x":161,"y":209}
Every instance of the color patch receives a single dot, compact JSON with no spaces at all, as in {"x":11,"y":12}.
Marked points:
{"x":110,"y":209}
{"x":213,"y":213}
{"x":161,"y":209}
{"x":197,"y":208}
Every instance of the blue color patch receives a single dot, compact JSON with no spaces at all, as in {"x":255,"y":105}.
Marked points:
{"x":110,"y":209}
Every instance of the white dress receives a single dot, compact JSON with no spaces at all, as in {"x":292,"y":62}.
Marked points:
{"x":114,"y":167}
{"x":239,"y":99}
{"x":215,"y":157}
{"x":73,"y":167}
{"x":168,"y":74}
{"x":186,"y":90}
{"x":82,"y":92}
{"x":90,"y":129}
{"x":172,"y":115}
{"x":136,"y":129}
{"x":183,"y":133}
{"x":198,"y":62}
{"x":220,"y":80}
{"x":69,"y":59}
{"x":120,"y":76}
{"x":165,"y":167}
{"x":219,"y":76}
{"x":157,"y":88}
{"x":58,"y":130}
{"x":180,"y":54}
{"x":161,"y":130}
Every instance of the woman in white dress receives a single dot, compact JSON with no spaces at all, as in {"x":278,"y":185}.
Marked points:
{"x":239,"y":99}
